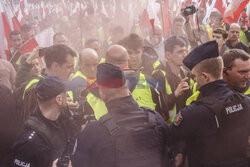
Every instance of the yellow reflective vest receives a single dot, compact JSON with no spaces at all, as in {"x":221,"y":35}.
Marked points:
{"x":196,"y":94}
{"x":141,"y":94}
{"x":77,"y":74}
{"x":32,"y":82}
{"x":172,"y":113}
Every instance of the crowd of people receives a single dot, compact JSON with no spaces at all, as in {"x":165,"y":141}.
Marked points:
{"x":106,"y":95}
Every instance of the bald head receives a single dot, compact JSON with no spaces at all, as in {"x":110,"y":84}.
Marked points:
{"x":87,"y":54}
{"x":234,"y":33}
{"x":234,"y":25}
{"x":88,"y":61}
{"x":117,"y":55}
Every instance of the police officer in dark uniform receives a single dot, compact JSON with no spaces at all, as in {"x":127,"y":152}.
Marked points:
{"x":43,"y":139}
{"x":128,"y":135}
{"x":215,"y":127}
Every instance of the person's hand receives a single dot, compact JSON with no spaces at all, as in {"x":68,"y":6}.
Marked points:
{"x":182,"y":87}
{"x":178,"y":160}
{"x":72,"y":105}
{"x":185,"y":17}
{"x":54,"y":163}
{"x":34,"y":55}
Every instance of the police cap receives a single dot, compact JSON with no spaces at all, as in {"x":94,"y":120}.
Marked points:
{"x":200,"y":53}
{"x":50,"y":87}
{"x":109,"y":75}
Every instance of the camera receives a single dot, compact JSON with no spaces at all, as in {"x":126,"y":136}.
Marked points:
{"x":189,"y":10}
{"x":72,"y":120}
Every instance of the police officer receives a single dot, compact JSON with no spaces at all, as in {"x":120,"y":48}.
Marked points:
{"x":43,"y":139}
{"x":215,"y":127}
{"x":128,"y":135}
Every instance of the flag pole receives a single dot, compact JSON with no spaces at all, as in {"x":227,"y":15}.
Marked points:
{"x":162,"y":19}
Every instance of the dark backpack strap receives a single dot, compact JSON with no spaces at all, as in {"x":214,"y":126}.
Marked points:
{"x":151,"y":116}
{"x":108,"y":122}
{"x":52,"y":138}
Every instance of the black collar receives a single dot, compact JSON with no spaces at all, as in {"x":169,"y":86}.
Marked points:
{"x":124,"y":104}
{"x":39,"y":115}
{"x":212,"y":87}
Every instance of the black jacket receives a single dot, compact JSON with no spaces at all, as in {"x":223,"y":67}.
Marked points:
{"x":168,"y":101}
{"x":30,"y":148}
{"x":239,"y":45}
{"x":23,"y":74}
{"x":95,"y":144}
{"x":8,"y":126}
{"x":196,"y":124}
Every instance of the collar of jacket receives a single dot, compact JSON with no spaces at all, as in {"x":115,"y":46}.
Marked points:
{"x":124,"y":104}
{"x":50,"y":123}
{"x":212,"y":87}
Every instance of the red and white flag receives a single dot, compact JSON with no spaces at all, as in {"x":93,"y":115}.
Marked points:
{"x":43,"y":39}
{"x":234,"y":10}
{"x":221,"y":6}
{"x":8,"y":23}
{"x":4,"y":29}
{"x":152,"y":13}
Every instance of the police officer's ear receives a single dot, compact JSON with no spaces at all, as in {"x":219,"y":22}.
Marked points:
{"x":206,"y":77}
{"x":59,"y":99}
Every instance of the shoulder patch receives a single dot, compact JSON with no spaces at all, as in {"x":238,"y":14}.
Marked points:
{"x":178,"y":119}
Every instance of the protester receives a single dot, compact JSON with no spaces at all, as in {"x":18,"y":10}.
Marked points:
{"x":94,"y":44}
{"x":134,"y":45}
{"x":59,"y":60}
{"x":156,"y":41}
{"x":135,"y":142}
{"x":83,"y":79}
{"x":30,"y":68}
{"x":236,"y":70}
{"x":7,"y":74}
{"x":148,"y":40}
{"x":16,"y":40}
{"x":60,"y":38}
{"x":173,"y":78}
{"x":216,"y":20}
{"x":233,"y":41}
{"x":14,"y":54}
{"x":27,"y":32}
{"x":140,"y":86}
{"x":245,"y":29}
{"x":220,"y":35}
